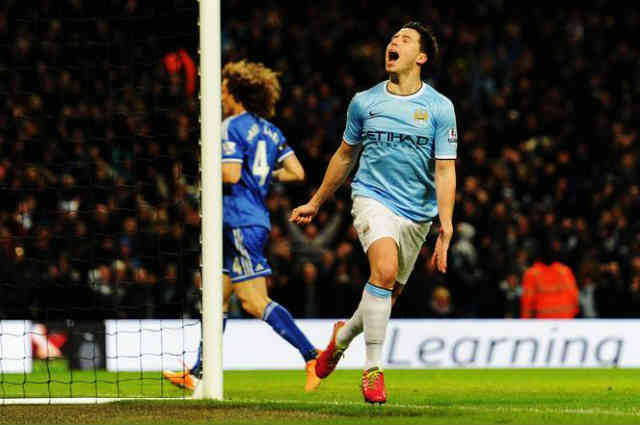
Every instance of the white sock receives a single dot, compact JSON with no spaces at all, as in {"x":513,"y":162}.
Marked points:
{"x":376,"y":309}
{"x":351,"y":329}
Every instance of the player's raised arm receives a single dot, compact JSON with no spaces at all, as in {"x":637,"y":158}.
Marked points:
{"x":340,"y":166}
{"x":291,"y":170}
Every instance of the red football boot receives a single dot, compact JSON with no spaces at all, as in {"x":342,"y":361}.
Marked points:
{"x":328,"y":359}
{"x":373,"y":386}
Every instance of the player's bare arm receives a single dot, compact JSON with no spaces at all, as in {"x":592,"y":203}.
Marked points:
{"x":231,"y":172}
{"x":445,"y":175}
{"x":340,"y":166}
{"x":291,"y":170}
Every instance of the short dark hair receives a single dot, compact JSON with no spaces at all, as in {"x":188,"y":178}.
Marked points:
{"x":428,"y":42}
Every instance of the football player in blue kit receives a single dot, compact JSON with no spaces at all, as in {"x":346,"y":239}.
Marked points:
{"x":252,"y":150}
{"x":406,"y":132}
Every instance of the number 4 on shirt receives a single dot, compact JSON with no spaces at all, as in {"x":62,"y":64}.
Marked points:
{"x":260,"y":163}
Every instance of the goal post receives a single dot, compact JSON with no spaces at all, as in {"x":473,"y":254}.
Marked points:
{"x":211,"y":199}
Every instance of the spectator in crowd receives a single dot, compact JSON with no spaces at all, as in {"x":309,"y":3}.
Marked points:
{"x":587,"y":279}
{"x":549,"y":288}
{"x":612,"y":293}
{"x":466,"y":277}
{"x":512,"y":293}
{"x":176,"y":62}
{"x":310,"y":243}
{"x":440,"y":304}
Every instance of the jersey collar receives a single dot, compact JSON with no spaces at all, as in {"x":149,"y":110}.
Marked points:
{"x":409,"y":96}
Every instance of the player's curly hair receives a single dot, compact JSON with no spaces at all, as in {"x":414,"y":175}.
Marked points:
{"x":254,"y":85}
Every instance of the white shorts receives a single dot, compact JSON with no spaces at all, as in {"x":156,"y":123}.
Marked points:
{"x":373,"y":221}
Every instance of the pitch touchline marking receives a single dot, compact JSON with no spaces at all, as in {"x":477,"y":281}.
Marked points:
{"x":632,"y":412}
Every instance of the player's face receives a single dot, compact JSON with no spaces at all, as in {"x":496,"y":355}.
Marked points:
{"x":403,"y":51}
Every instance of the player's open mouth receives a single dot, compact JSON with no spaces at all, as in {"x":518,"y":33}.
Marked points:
{"x":392,"y":56}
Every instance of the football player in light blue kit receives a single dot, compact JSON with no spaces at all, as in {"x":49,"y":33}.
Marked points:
{"x":407,"y":133}
{"x":252,"y":147}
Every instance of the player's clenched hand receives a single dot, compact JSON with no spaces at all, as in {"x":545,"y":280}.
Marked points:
{"x":303,"y":214}
{"x":439,"y":258}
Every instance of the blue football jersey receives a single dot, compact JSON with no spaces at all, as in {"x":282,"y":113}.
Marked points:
{"x":402,"y":136}
{"x":259,"y":146}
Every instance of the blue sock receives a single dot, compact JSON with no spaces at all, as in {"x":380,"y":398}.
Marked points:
{"x":196,"y":370}
{"x":197,"y":367}
{"x":281,"y":321}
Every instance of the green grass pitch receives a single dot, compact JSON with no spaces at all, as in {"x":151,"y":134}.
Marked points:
{"x":507,"y":396}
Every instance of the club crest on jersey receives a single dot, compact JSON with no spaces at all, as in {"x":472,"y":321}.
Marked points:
{"x":420,"y":116}
{"x":228,"y":148}
{"x":453,"y":135}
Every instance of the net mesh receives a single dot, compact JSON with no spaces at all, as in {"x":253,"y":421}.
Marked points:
{"x":99,"y":221}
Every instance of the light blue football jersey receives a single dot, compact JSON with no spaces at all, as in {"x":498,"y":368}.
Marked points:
{"x":259,"y":146}
{"x":402,"y":136}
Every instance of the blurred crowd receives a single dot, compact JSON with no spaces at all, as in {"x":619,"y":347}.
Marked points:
{"x":99,"y":153}
{"x":99,"y":160}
